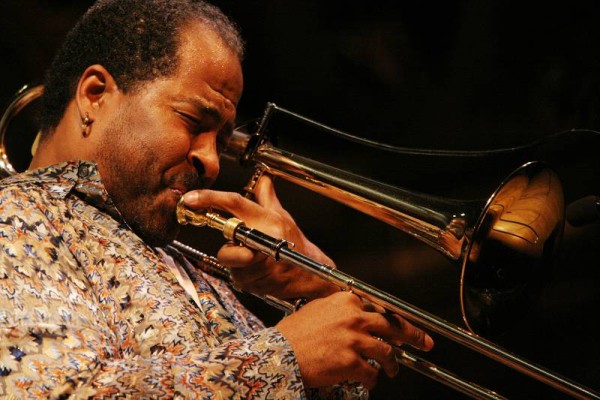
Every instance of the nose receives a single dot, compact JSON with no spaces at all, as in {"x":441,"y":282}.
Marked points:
{"x":203,"y":155}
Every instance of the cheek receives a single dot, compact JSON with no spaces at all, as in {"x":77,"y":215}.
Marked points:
{"x":178,"y":145}
{"x":158,"y":132}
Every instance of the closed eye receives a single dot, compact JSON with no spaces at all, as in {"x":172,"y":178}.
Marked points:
{"x":193,"y":123}
{"x":197,"y":126}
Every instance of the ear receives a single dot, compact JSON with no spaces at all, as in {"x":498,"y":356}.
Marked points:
{"x":96,"y":85}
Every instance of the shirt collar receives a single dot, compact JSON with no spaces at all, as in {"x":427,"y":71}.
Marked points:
{"x":80,"y":177}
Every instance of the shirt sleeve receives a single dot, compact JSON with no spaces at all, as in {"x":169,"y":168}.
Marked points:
{"x":56,"y":341}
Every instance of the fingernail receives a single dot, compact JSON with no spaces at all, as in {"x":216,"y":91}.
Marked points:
{"x":428,"y":342}
{"x":190,"y":197}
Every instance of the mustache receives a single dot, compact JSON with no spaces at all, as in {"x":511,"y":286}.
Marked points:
{"x":188,"y":181}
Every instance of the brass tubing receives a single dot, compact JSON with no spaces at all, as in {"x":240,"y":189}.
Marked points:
{"x":441,"y":223}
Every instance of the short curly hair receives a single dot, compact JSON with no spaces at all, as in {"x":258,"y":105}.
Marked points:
{"x":135,"y":40}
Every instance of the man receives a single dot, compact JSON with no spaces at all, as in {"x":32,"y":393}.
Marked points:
{"x":138,"y":102}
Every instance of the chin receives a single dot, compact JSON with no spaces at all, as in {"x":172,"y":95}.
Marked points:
{"x":152,"y":218}
{"x":157,"y":231}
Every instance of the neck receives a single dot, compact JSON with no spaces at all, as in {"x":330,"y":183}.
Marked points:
{"x":45,"y":154}
{"x":65,"y":143}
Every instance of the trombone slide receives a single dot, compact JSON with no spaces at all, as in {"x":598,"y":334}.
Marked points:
{"x":212,"y":266}
{"x":279,"y":249}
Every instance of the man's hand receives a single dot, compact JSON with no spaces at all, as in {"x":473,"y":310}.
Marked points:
{"x":333,"y":338}
{"x":251,"y":270}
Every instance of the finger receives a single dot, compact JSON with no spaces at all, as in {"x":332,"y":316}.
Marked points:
{"x":234,"y":256}
{"x":362,"y":371}
{"x":265,"y":193}
{"x":233,"y":203}
{"x":382,"y":352}
{"x":372,"y":307}
{"x":398,"y":331}
{"x":409,"y":334}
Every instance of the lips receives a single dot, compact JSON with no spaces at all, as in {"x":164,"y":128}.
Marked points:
{"x":177,"y":184}
{"x":178,"y":192}
{"x":183,"y":182}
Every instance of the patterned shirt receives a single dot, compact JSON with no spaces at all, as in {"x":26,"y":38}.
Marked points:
{"x":87,"y":309}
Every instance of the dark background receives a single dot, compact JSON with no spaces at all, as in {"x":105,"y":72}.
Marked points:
{"x":451,"y":74}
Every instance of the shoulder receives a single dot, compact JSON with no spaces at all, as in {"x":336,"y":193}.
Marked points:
{"x":28,"y":203}
{"x":32,"y":189}
{"x":18,"y":193}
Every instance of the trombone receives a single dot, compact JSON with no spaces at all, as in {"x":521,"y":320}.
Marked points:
{"x":519,"y":224}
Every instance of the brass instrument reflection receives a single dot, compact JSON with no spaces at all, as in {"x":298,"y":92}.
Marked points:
{"x":526,"y":211}
{"x":512,"y":247}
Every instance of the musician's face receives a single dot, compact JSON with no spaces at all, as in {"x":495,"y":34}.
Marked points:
{"x":165,"y":137}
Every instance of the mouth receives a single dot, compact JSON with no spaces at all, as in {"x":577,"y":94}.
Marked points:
{"x":177,"y":185}
{"x":177,"y":192}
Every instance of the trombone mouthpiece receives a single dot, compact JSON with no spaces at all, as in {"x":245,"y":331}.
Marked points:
{"x":206,"y":217}
{"x":186,"y":216}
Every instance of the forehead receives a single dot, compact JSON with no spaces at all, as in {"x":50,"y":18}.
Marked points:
{"x":206,"y":64}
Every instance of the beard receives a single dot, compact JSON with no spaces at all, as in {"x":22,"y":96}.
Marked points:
{"x":140,"y":188}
